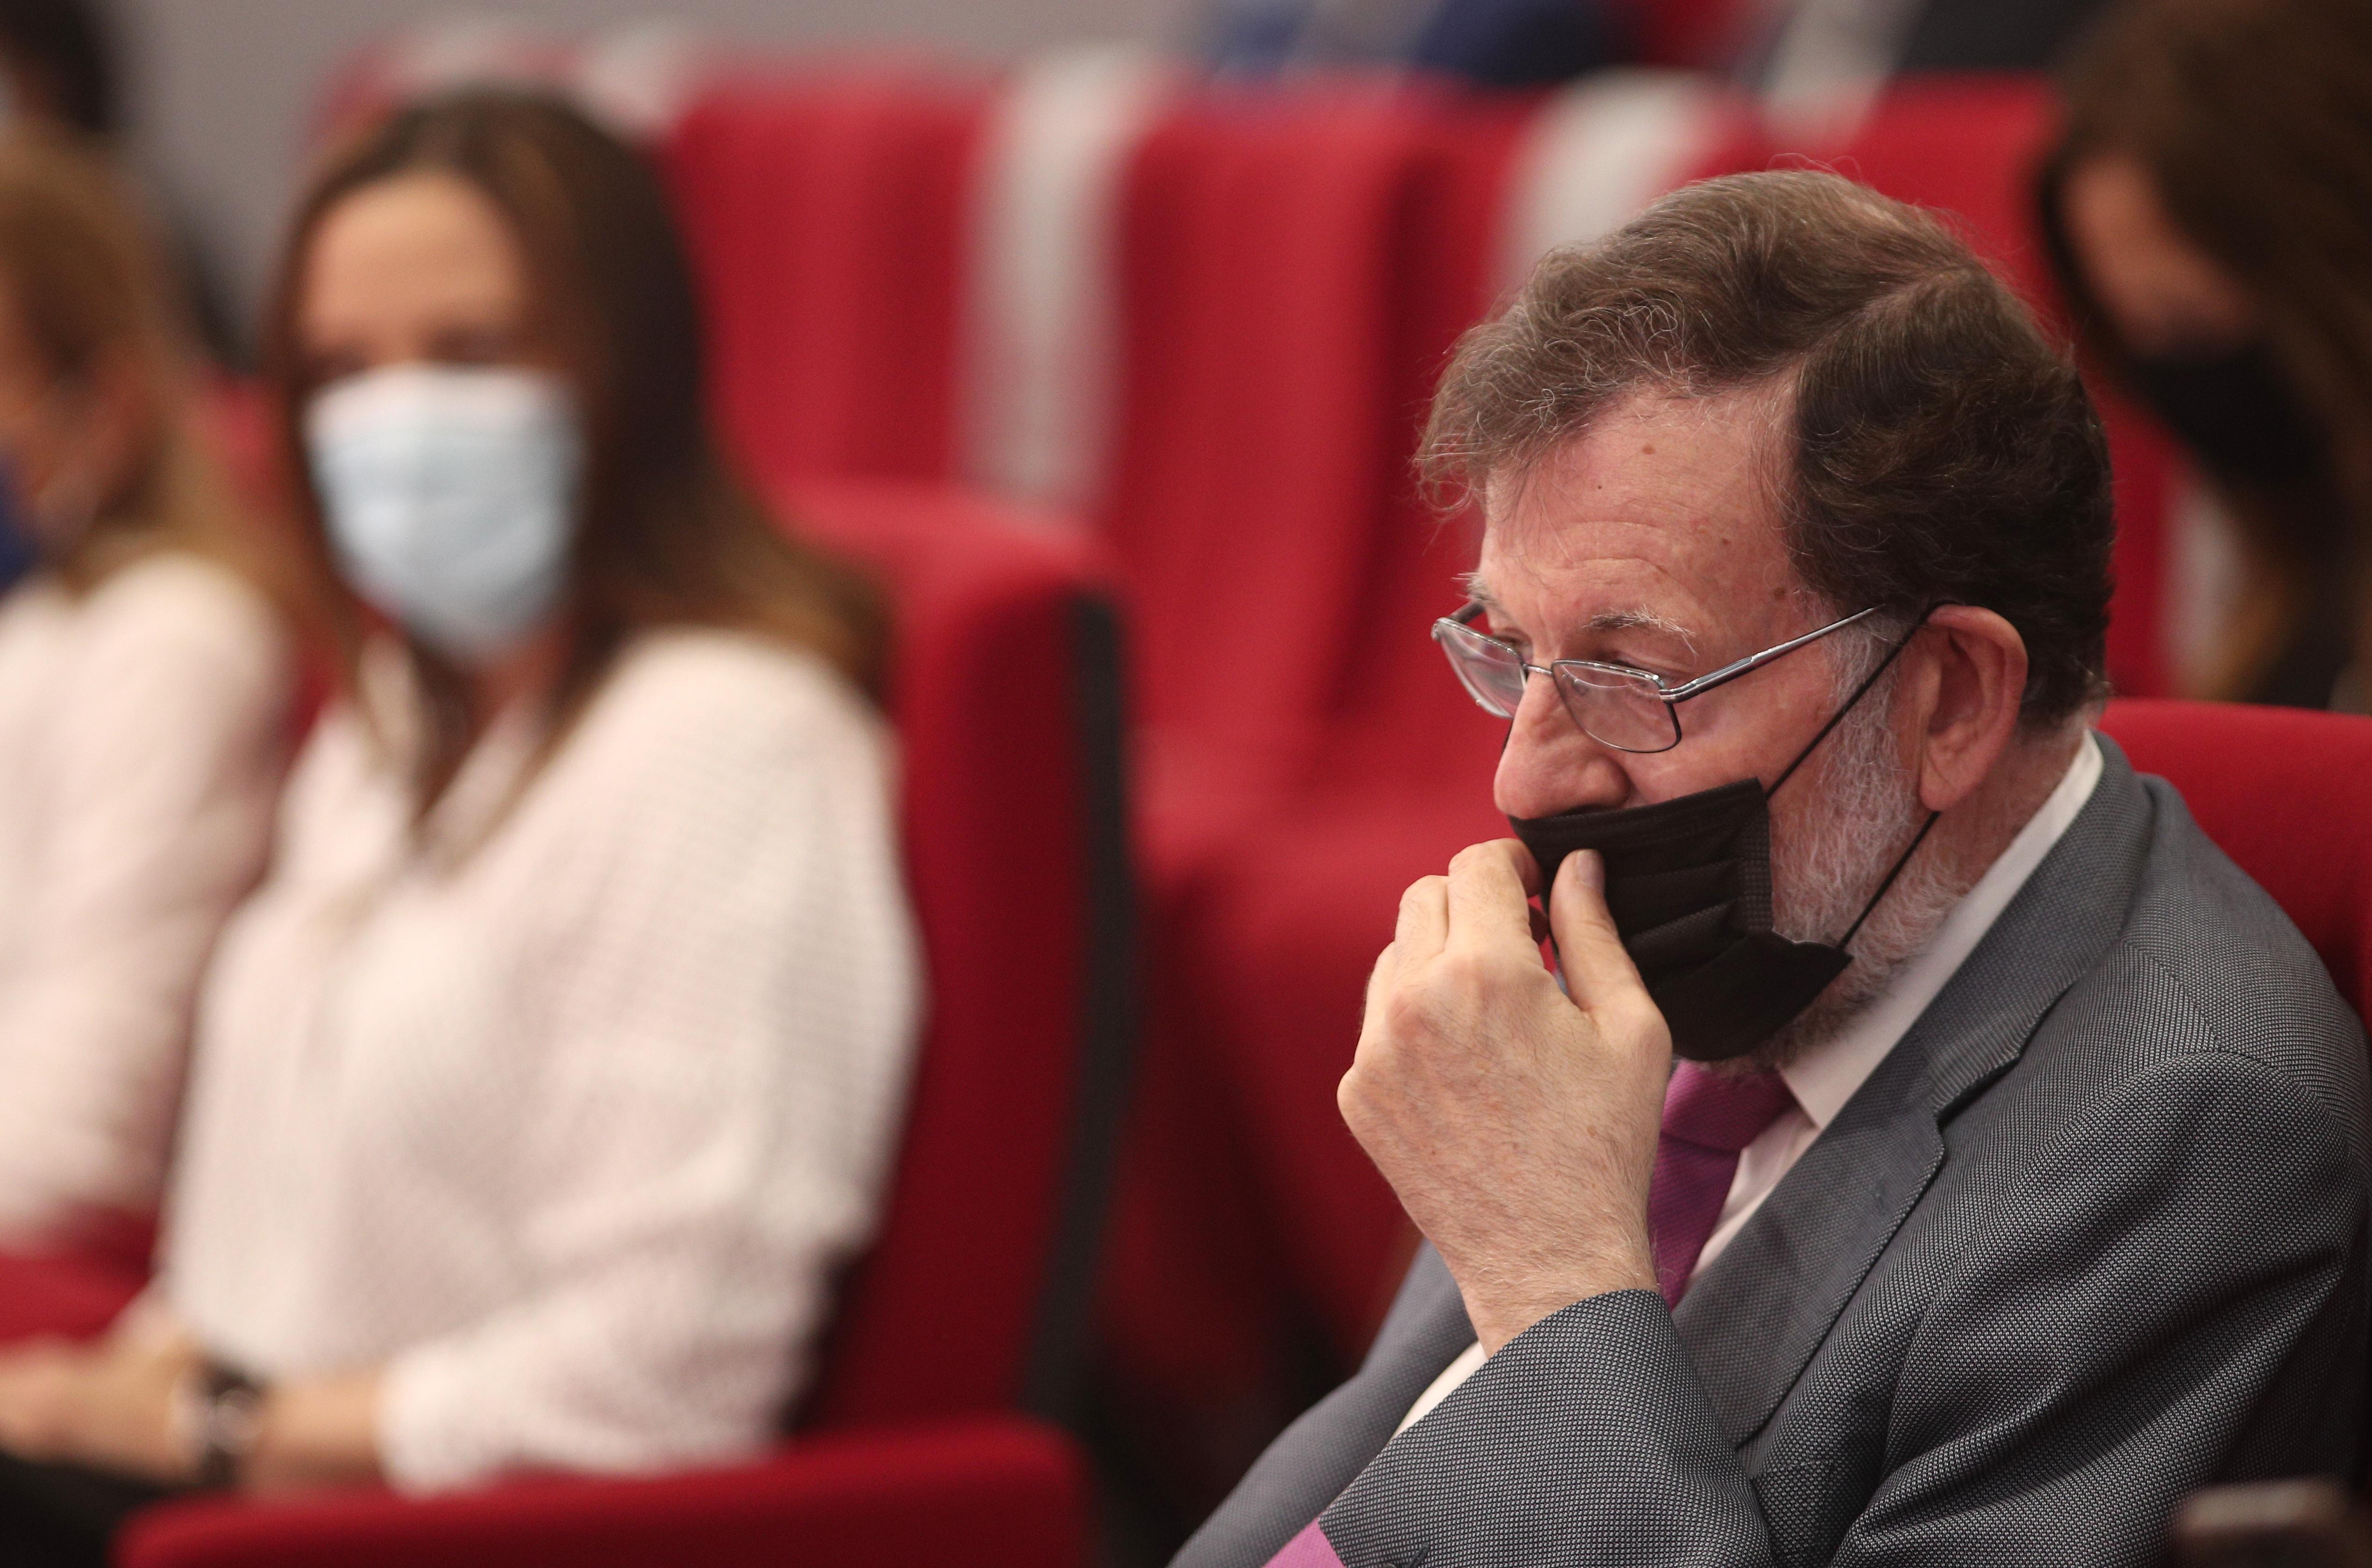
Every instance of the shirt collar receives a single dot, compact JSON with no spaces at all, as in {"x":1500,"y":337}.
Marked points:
{"x":1826,"y":1076}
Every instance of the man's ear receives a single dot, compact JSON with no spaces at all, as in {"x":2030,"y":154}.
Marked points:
{"x":1966,"y":679}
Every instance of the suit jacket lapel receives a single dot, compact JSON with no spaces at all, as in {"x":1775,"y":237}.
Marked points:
{"x":1752,"y":1321}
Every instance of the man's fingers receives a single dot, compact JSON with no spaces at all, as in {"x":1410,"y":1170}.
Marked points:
{"x":1488,"y":905}
{"x":1424,"y":921}
{"x":1589,"y":947}
{"x":1380,"y":980}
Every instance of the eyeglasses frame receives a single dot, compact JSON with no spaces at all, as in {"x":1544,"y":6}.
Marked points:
{"x":1671,"y":696}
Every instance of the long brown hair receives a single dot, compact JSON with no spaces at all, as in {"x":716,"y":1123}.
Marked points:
{"x":84,"y":277}
{"x":2253,"y":119}
{"x":666,"y":533}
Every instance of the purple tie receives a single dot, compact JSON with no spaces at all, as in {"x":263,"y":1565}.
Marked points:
{"x":1310,"y":1549}
{"x":1709,"y":1119}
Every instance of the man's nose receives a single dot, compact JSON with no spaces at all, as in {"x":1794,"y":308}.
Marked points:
{"x":1548,"y":765}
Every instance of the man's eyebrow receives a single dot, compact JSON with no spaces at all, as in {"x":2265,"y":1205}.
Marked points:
{"x":1604,"y":621}
{"x":1641,"y":620}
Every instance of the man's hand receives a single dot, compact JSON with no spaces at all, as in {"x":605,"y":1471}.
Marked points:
{"x":109,"y":1406}
{"x":1517,"y":1123}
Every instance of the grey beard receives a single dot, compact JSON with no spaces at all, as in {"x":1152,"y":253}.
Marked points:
{"x":1862,"y":811}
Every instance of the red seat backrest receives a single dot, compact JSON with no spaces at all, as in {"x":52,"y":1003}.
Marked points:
{"x":2285,"y":793}
{"x":1259,"y":438}
{"x":1971,"y":147}
{"x":1007,"y":729}
{"x":825,"y":209}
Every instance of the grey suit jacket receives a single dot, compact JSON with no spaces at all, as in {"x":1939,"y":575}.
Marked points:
{"x":2092,"y":1235}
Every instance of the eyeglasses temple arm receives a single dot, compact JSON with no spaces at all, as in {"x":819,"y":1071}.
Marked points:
{"x":1729,"y":672}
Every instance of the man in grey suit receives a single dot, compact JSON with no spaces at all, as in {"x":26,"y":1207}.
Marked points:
{"x":2013,"y":1179}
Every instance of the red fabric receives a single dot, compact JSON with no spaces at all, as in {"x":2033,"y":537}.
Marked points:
{"x":825,"y":210}
{"x":73,"y":1295}
{"x":1971,"y":147}
{"x":1259,"y":442}
{"x":1709,"y":1117}
{"x":1263,"y":434}
{"x":985,"y":1492}
{"x":987,"y":713}
{"x":2285,"y":794}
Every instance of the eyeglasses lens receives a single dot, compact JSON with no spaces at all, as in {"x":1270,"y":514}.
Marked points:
{"x":1488,"y":670}
{"x":1626,"y":711}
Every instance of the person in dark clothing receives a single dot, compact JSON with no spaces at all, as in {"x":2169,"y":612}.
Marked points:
{"x":2209,"y":211}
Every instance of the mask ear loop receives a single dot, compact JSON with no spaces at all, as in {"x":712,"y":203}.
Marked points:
{"x":1853,"y":701}
{"x":1884,"y":888}
{"x":1837,"y":718}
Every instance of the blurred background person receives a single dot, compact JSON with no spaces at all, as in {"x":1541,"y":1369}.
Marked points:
{"x":2210,"y":214}
{"x":60,"y":68}
{"x":1815,"y":58}
{"x":144,"y":678}
{"x":554,"y":1070}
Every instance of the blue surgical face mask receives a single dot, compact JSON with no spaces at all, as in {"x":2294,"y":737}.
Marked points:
{"x":450,"y":497}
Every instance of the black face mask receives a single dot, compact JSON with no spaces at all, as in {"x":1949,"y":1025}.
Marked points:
{"x":2237,"y":414}
{"x":2234,"y":410}
{"x":1687,"y":882}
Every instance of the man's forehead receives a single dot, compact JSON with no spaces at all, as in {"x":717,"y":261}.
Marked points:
{"x":1659,"y":515}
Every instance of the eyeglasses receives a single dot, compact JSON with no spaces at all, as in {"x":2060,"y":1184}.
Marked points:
{"x":1629,"y":710}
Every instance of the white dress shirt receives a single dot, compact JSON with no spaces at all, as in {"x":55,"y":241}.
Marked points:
{"x":562,"y":1110}
{"x":1828,"y":1074}
{"x":143,"y":731}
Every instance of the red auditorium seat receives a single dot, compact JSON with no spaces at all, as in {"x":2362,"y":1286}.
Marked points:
{"x":1259,"y":445}
{"x":969,"y":1306}
{"x":1261,"y":439}
{"x":825,"y":208}
{"x":2285,"y":793}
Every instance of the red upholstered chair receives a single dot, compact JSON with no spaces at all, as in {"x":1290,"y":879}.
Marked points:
{"x":911,"y":1447}
{"x":2285,"y":793}
{"x":1263,"y":436}
{"x":825,"y":208}
{"x":1971,"y":147}
{"x":1259,"y":443}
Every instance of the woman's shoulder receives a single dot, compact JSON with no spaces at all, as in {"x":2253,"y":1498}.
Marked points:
{"x":181,"y":595}
{"x":688,"y":685}
{"x":716,"y":727}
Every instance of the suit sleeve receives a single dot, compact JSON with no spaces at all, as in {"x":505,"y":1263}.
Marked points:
{"x":2162,"y":1298}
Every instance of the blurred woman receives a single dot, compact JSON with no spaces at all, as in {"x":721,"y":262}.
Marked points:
{"x":143,"y":686}
{"x":2211,"y":214}
{"x":554,"y":1069}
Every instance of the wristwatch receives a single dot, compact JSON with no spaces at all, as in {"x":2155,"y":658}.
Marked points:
{"x":221,"y":1416}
